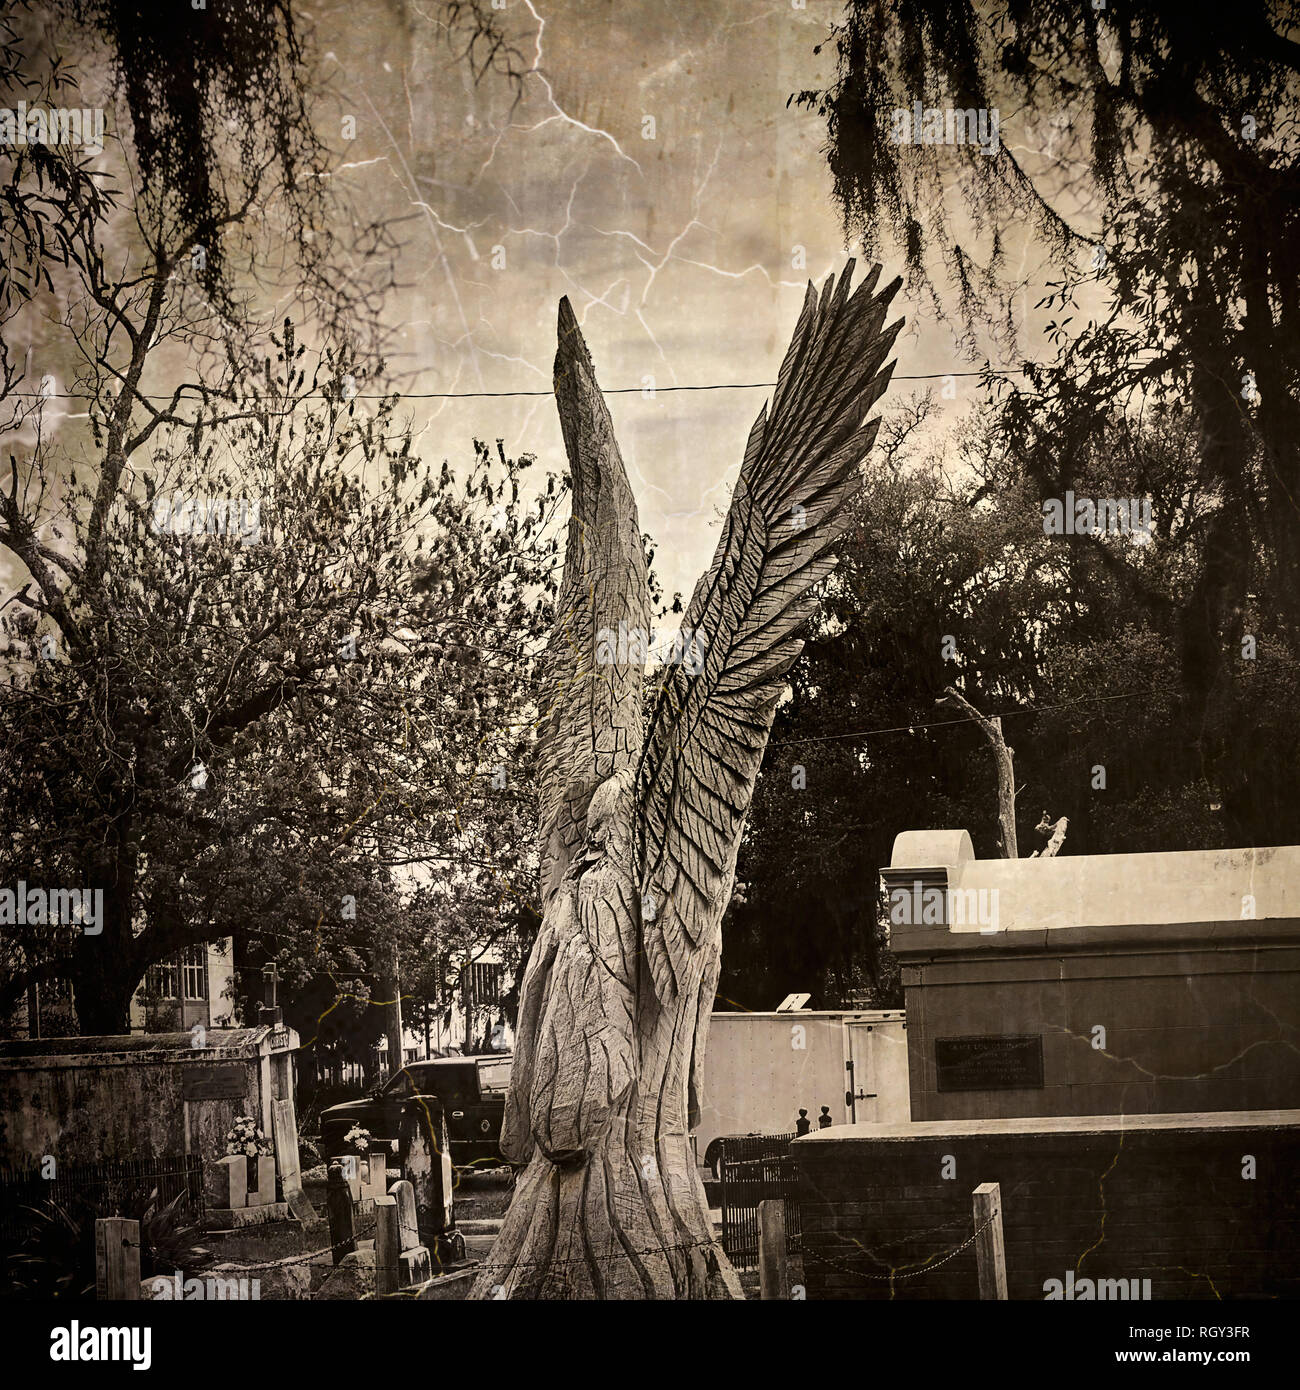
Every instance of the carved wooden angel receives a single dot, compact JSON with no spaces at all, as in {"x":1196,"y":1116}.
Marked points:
{"x":641,"y":821}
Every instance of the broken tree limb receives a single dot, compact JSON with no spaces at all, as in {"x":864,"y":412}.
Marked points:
{"x":1057,"y":832}
{"x":1002,"y":756}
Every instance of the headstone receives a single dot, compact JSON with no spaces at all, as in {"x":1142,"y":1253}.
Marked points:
{"x":353,"y":1279}
{"x":264,"y":1194}
{"x":284,"y":1126}
{"x":414,"y":1266}
{"x":407,"y":1224}
{"x":351,"y":1165}
{"x":374,"y":1175}
{"x":226,"y":1182}
{"x":427,"y":1164}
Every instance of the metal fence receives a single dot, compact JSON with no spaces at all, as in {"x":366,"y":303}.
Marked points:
{"x":120,"y":1188}
{"x":756,"y":1168}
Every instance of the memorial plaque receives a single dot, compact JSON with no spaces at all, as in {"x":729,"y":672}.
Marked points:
{"x":997,"y":1062}
{"x":216,"y":1081}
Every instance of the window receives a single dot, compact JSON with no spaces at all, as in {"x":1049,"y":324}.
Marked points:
{"x":454,"y":1083}
{"x":194,"y":971}
{"x":162,"y":979}
{"x":494,"y":1075}
{"x":399,"y":1087}
{"x":483,"y":985}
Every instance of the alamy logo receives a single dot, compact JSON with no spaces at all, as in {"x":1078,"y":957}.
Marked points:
{"x":919,"y":905}
{"x":1099,"y":1290}
{"x":56,"y":125}
{"x":1106,"y":516}
{"x":68,"y":907}
{"x":208,"y":516}
{"x":77,"y":1343}
{"x":210,"y":1289}
{"x":635,"y":646}
{"x":940,"y":125}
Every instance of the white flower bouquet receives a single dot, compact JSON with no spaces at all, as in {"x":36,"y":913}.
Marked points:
{"x":358,"y":1140}
{"x":245,"y":1138}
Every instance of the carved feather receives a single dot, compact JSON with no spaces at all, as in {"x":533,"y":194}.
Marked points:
{"x":710,"y":728}
{"x":592,"y":725}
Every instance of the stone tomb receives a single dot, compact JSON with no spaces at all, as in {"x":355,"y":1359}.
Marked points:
{"x":92,"y":1100}
{"x":1093,"y":1207}
{"x":1110,"y":984}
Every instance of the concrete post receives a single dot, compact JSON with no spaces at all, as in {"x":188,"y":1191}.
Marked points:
{"x":338,"y":1202}
{"x":773,"y":1263}
{"x":388,"y":1246}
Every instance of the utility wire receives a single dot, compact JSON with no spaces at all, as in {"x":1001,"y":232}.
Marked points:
{"x":494,"y":395}
{"x":941,"y":723}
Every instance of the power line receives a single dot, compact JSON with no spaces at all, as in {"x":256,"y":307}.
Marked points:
{"x":941,"y":723}
{"x":497,"y":395}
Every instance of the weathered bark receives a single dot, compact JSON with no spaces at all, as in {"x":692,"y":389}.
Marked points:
{"x":628,"y":1218}
{"x":1002,"y":756}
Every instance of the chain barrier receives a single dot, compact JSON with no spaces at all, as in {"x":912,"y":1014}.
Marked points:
{"x":593,"y":1259}
{"x":908,"y":1274}
{"x":484,"y":1264}
{"x":290,"y":1260}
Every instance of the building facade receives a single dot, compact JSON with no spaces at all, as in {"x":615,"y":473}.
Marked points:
{"x":196,"y":986}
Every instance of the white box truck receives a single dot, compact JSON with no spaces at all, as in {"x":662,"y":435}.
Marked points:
{"x":760,"y":1070}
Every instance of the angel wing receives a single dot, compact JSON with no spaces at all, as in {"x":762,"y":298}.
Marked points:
{"x":592,"y":727}
{"x":712,"y":718}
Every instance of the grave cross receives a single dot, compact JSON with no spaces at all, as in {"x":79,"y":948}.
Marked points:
{"x":269,"y":1012}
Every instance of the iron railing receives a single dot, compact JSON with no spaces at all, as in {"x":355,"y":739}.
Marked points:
{"x":756,"y":1168}
{"x":106,"y":1188}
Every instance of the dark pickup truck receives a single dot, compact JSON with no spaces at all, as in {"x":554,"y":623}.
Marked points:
{"x":473,"y":1095}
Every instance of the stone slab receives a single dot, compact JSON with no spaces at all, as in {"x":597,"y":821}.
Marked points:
{"x":1059,"y":1124}
{"x":234,"y":1218}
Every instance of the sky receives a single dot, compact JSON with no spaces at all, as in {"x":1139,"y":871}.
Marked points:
{"x":649,"y":166}
{"x":652,"y":171}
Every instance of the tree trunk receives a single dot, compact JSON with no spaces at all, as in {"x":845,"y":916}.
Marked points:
{"x":391,"y":993}
{"x":630,"y":1219}
{"x":102,"y":997}
{"x":1003,"y":759}
{"x":106,"y":968}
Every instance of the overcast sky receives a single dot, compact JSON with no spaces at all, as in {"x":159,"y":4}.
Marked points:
{"x":677,"y":251}
{"x":649,"y":168}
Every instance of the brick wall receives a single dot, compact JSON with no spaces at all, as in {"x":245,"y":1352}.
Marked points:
{"x":1166,"y":1203}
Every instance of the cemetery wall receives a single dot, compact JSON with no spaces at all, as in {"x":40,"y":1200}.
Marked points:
{"x":1204,"y":1206}
{"x":91,"y":1099}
